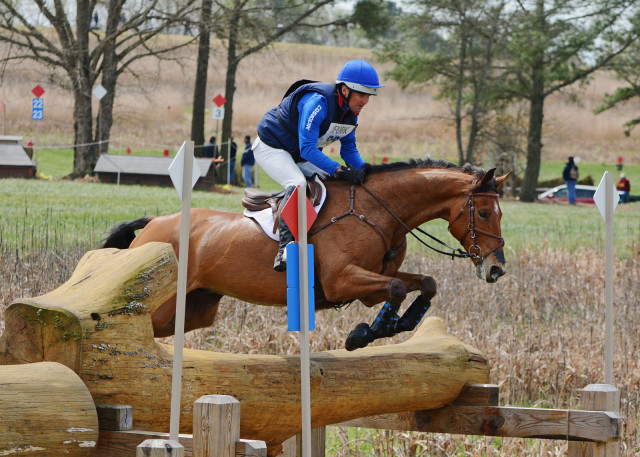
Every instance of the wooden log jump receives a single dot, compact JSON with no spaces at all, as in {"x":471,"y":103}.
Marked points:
{"x":45,"y":410}
{"x":99,"y":324}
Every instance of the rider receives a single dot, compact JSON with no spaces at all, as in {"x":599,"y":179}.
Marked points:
{"x":311,"y":116}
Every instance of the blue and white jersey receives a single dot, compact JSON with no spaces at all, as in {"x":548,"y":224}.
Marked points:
{"x":309,"y":118}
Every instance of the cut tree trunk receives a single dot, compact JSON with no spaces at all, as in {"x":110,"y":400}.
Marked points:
{"x":46,"y":411}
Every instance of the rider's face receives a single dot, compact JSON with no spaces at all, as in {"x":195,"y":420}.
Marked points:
{"x":357,"y":101}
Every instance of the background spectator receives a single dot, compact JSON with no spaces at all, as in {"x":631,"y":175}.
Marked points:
{"x":211,"y":149}
{"x":570,"y":175}
{"x":624,"y":187}
{"x":247,"y":162}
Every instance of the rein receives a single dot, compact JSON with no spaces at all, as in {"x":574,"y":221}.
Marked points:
{"x":455,"y":252}
{"x":362,"y":217}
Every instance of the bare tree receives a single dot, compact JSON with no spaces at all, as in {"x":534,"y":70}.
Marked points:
{"x":247,"y":27}
{"x":71,"y":40}
{"x":200,"y":86}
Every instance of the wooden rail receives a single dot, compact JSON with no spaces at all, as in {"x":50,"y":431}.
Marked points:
{"x":123,"y":443}
{"x":476,"y":412}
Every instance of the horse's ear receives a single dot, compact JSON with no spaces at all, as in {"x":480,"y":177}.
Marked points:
{"x":486,"y":179}
{"x":500,"y":180}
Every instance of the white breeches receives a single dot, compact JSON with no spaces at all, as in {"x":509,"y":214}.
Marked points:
{"x":279,"y":164}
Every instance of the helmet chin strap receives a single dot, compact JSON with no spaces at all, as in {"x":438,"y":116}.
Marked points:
{"x":348,"y":97}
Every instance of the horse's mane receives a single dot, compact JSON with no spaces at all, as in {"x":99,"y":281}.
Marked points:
{"x":467,"y":168}
{"x":423,"y":163}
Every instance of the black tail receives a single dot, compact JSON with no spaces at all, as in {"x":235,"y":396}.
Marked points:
{"x":122,"y":235}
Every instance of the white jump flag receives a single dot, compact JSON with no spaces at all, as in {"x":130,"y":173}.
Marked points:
{"x":183,"y":178}
{"x":176,"y":169}
{"x":606,"y":199}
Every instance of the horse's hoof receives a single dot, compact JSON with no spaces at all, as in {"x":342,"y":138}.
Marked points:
{"x":359,"y":337}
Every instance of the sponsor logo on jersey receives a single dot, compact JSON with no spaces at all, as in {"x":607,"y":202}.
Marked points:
{"x":312,"y":116}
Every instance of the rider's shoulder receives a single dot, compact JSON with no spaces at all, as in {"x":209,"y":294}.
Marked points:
{"x":312,"y":98}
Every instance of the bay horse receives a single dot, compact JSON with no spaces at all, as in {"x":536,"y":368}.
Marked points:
{"x":355,"y":257}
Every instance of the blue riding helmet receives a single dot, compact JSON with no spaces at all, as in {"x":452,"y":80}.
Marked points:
{"x":360,"y":76}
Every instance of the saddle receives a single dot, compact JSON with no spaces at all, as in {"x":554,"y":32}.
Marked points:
{"x":255,"y":200}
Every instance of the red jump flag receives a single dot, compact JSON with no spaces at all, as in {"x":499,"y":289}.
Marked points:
{"x":290,"y":213}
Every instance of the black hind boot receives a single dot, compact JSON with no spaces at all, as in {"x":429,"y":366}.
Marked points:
{"x":384,"y":326}
{"x":286,"y":237}
{"x":413,"y":315}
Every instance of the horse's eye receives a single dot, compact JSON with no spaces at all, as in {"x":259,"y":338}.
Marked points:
{"x":484,"y":214}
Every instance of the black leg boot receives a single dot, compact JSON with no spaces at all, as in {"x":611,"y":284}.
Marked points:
{"x":286,"y":237}
{"x":413,"y":315}
{"x":384,"y":326}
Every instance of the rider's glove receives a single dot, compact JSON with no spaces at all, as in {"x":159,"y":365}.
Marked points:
{"x":354,"y":175}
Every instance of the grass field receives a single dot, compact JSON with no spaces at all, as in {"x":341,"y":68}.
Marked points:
{"x":57,"y":163}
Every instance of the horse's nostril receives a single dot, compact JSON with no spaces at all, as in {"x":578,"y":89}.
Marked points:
{"x":496,"y":271}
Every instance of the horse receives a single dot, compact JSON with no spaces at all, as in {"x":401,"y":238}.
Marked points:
{"x":356,"y":258}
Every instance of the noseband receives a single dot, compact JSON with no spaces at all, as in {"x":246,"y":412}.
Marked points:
{"x":471,"y":229}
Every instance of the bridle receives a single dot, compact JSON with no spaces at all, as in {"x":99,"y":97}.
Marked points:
{"x":392,"y":252}
{"x":471,"y":229}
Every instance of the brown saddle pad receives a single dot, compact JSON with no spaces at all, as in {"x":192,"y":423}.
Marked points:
{"x":255,"y":200}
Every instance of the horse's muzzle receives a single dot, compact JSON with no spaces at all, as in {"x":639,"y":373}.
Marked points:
{"x":489,"y":272}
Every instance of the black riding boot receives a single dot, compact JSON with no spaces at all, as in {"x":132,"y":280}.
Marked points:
{"x":286,"y":237}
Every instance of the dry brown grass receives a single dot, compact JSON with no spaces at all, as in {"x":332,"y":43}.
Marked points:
{"x":541,"y":326}
{"x":153,"y":109}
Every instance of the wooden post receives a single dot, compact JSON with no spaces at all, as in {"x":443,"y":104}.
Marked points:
{"x":160,"y":448}
{"x":318,"y":438}
{"x":597,"y":397}
{"x":289,"y":447}
{"x":115,"y":417}
{"x":216,"y":426}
